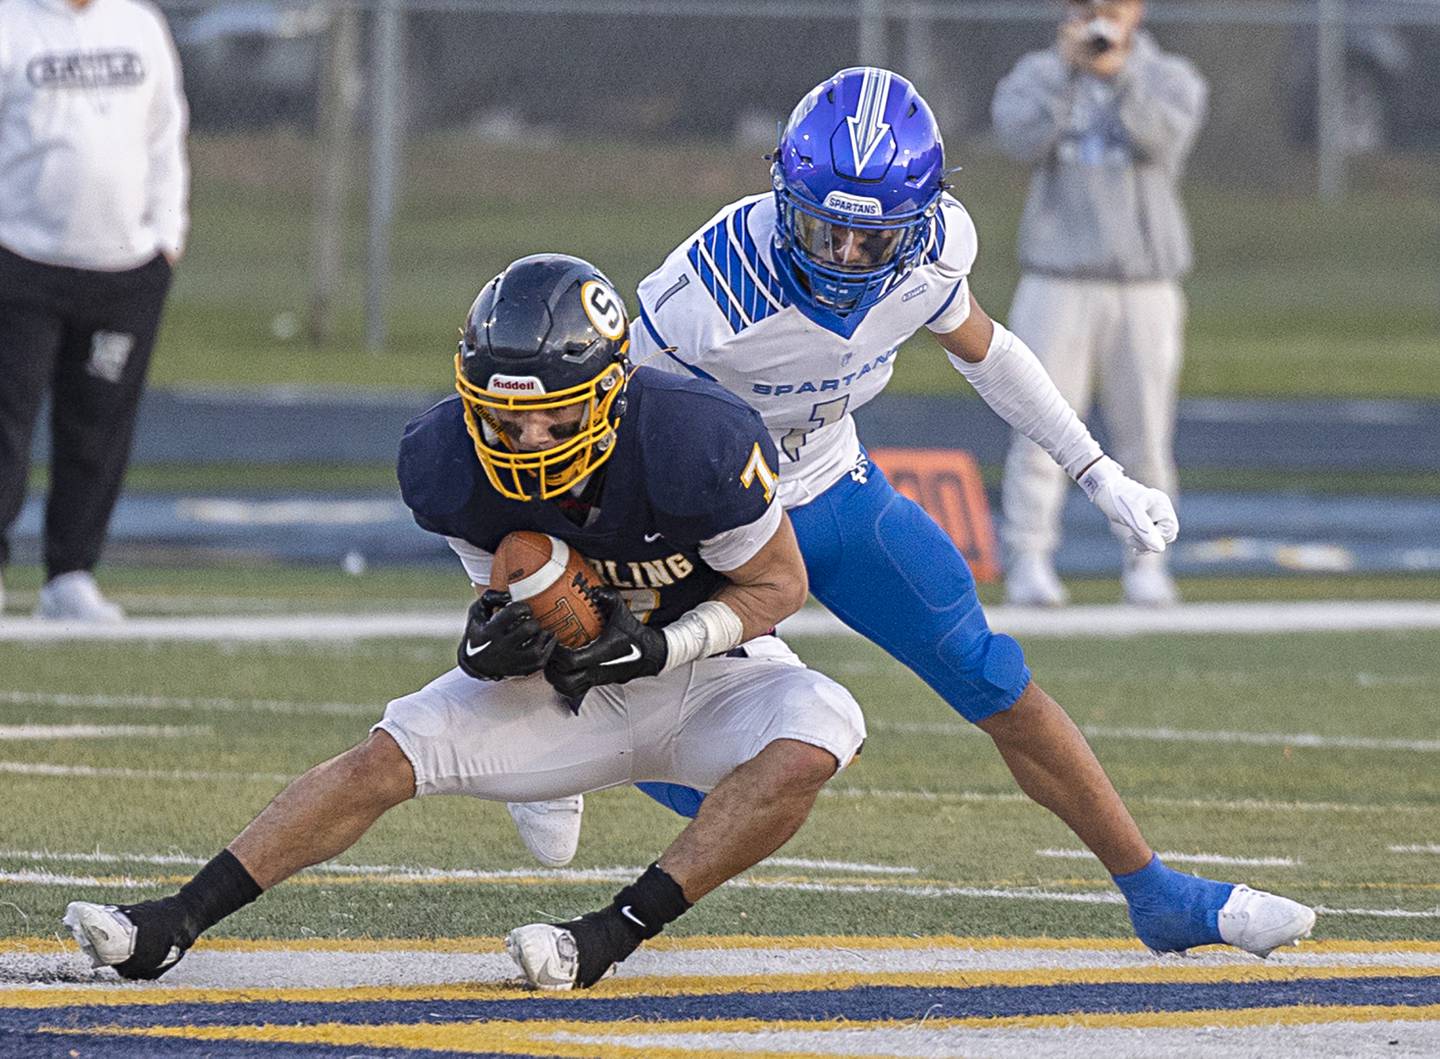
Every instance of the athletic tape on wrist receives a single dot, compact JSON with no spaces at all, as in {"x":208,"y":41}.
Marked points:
{"x":710,"y":628}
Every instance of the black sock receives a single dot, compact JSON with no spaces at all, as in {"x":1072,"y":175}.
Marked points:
{"x":167,"y":927}
{"x":219,"y":888}
{"x":638,"y":912}
{"x":650,"y":902}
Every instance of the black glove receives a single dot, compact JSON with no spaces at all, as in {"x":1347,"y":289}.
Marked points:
{"x":625,"y":649}
{"x":502,"y":639}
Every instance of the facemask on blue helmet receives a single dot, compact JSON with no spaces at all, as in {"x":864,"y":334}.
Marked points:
{"x":858,"y":175}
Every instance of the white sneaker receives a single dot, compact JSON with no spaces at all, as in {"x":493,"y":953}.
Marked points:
{"x":1260,"y":922}
{"x":75,"y":597}
{"x":1146,"y":581}
{"x":547,"y":956}
{"x":1030,"y":581}
{"x":550,"y":830}
{"x":107,"y":936}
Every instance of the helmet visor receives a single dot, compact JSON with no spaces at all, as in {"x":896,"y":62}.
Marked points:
{"x":848,"y":249}
{"x":519,"y":471}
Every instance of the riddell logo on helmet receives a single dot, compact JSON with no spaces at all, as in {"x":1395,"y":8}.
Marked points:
{"x":515,"y":384}
{"x":853,"y":204}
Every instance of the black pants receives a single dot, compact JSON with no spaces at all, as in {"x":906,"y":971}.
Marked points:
{"x":85,"y":336}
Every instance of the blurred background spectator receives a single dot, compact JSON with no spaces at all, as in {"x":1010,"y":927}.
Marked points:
{"x":93,"y":188}
{"x":1107,"y":120}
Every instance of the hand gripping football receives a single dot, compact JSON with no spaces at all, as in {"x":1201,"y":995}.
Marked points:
{"x":552,"y":577}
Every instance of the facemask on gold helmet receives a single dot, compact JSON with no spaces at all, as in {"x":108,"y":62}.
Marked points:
{"x":542,"y":370}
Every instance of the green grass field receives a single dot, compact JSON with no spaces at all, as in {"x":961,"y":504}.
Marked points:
{"x":927,"y":794}
{"x":1290,"y":295}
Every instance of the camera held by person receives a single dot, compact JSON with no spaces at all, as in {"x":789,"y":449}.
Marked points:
{"x":1097,"y":35}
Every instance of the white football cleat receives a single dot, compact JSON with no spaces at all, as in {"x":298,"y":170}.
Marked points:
{"x":75,"y":597}
{"x":1031,"y":581}
{"x":1146,"y":581}
{"x":107,"y":936}
{"x":547,"y":956}
{"x":1261,"y":922}
{"x":550,"y":830}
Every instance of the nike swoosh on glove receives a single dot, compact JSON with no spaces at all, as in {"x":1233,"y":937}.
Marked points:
{"x":625,"y":649}
{"x":1144,"y":517}
{"x":502,"y":639}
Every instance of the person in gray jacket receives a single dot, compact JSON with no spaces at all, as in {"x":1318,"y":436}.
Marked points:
{"x":1107,"y":120}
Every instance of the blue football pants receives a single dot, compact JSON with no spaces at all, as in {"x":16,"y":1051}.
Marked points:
{"x":884,"y":568}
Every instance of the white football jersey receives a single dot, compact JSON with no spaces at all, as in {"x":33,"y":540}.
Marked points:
{"x":717,"y":310}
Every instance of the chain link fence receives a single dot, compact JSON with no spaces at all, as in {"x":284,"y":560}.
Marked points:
{"x":363,"y":96}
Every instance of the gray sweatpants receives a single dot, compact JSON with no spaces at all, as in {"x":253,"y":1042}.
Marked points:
{"x":1130,"y":336}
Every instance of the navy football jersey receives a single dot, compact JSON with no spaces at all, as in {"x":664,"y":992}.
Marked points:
{"x":691,"y":462}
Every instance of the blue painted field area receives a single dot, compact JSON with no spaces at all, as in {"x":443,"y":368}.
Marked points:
{"x":726,"y":1016}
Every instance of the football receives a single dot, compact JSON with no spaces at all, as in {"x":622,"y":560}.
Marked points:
{"x":552,"y":577}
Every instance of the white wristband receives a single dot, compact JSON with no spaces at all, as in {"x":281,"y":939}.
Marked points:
{"x":710,"y":628}
{"x":1014,"y":383}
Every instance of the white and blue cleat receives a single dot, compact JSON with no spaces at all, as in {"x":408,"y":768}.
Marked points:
{"x":1261,"y":922}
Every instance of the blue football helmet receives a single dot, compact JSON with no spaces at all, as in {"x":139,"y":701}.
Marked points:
{"x":858,"y":175}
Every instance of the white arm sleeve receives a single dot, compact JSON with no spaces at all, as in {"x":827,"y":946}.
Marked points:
{"x":1013,"y":383}
{"x":477,"y":561}
{"x":736,"y":547}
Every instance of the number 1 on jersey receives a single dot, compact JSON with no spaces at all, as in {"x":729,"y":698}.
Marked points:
{"x":822,"y":415}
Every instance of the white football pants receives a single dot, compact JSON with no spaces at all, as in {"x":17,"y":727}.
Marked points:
{"x":1130,"y":335}
{"x":516,"y":741}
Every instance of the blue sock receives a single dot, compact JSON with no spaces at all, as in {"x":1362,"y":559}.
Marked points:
{"x":683,"y":800}
{"x":1172,"y":911}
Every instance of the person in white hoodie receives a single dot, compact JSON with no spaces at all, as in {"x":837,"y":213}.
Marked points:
{"x":93,"y":215}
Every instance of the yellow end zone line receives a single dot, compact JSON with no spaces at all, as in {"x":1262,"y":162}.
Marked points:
{"x":703,"y":942}
{"x":549,"y":1037}
{"x":704,"y":985}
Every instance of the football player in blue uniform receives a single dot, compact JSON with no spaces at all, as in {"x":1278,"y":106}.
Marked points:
{"x":798,"y":300}
{"x":666,"y":485}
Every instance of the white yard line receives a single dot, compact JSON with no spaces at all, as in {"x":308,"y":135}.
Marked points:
{"x":841,"y":866}
{"x":1103,"y":622}
{"x":283,"y":966}
{"x":1306,"y":740}
{"x":428,"y":876}
{"x":50,"y":732}
{"x":165,"y":702}
{"x":1184,"y":858}
{"x":40,"y":768}
{"x":1381,"y":913}
{"x":29,"y":768}
{"x":620,"y":873}
{"x":1213,"y":804}
{"x":45,"y":878}
{"x":1429,"y":847}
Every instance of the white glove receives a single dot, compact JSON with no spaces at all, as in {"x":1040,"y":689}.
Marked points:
{"x":1144,"y":517}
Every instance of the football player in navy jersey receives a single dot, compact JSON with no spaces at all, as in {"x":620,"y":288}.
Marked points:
{"x":798,"y":301}
{"x":666,"y":485}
